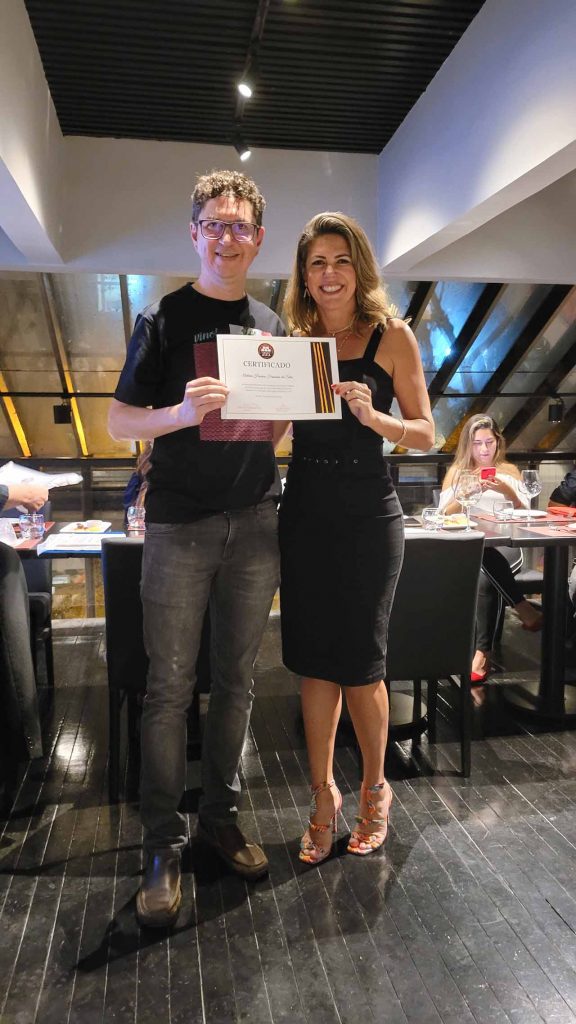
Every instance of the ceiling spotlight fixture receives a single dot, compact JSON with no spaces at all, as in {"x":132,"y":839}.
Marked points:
{"x":247,"y":83}
{"x":244,"y":151}
{"x":246,"y":87}
{"x":556,"y":411}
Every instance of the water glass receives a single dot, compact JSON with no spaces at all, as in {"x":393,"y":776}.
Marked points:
{"x":530,"y":486}
{"x":432,"y":518}
{"x":7,"y":533}
{"x":32,"y":526}
{"x":503,"y":510}
{"x":136,"y":518}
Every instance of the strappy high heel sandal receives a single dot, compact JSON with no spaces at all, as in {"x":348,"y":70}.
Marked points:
{"x":312,"y":852}
{"x":372,"y":831}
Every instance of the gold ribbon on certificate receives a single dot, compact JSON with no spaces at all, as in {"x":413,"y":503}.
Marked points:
{"x":322,"y":376}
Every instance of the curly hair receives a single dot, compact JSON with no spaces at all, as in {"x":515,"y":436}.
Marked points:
{"x":371,"y":298}
{"x":226,"y":183}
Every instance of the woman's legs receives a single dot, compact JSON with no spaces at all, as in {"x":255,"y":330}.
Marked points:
{"x":497,"y":583}
{"x":368,"y":706}
{"x":321,"y":708}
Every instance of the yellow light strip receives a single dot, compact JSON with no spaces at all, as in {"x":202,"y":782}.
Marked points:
{"x":14,"y":419}
{"x":76,"y":413}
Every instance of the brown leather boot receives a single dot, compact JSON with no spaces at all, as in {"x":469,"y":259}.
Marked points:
{"x":246,"y":859}
{"x":159,"y":897}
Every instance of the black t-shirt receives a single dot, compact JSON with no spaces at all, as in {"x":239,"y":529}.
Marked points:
{"x":565,"y":493}
{"x":221,"y":464}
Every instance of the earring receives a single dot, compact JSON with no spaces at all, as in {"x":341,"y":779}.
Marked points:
{"x":306,"y":292}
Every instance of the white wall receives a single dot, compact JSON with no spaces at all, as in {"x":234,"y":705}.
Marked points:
{"x":496,"y":125}
{"x":128,"y":202}
{"x":31,"y":144}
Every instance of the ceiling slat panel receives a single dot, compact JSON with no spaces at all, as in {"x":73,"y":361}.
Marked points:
{"x":332,"y":74}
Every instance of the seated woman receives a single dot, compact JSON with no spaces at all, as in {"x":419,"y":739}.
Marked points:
{"x":481,"y":444}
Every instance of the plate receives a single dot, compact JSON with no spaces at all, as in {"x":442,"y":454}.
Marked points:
{"x":523,"y":513}
{"x":87,"y":526}
{"x":458,"y":526}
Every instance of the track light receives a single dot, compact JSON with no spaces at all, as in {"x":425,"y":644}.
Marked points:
{"x":247,"y":83}
{"x":244,"y":151}
{"x":246,"y":87}
{"x":556,"y":411}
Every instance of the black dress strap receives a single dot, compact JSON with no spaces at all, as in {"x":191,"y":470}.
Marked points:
{"x":372,"y":346}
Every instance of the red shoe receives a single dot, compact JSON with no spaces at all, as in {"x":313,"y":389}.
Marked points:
{"x":478,"y":677}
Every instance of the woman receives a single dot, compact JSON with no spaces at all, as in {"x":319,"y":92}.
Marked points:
{"x":341,"y":529}
{"x":481,"y":444}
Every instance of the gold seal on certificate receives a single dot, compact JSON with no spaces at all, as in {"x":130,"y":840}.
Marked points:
{"x":278,"y":378}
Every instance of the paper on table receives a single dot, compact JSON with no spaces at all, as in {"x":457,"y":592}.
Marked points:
{"x":13,"y":473}
{"x":73,"y":542}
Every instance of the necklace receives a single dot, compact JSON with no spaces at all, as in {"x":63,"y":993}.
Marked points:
{"x":347,"y":331}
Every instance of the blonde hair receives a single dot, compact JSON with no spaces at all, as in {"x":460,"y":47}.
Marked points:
{"x":463,"y":459}
{"x":372,"y":304}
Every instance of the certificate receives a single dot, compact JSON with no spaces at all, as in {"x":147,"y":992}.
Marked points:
{"x":278,"y":378}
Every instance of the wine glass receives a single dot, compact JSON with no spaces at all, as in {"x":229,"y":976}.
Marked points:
{"x":530,"y":486}
{"x":467,"y":491}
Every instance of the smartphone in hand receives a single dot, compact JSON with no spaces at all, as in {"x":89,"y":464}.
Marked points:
{"x":488,"y":472}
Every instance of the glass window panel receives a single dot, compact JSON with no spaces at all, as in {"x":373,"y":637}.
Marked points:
{"x":24,"y":339}
{"x":9,"y":447}
{"x":144,"y":289}
{"x":543,"y":355}
{"x":447,"y":414}
{"x":399,"y":294}
{"x":538,"y":427}
{"x":89,"y":310}
{"x":94,"y":416}
{"x":503,"y":409}
{"x":508,"y":318}
{"x":443,"y":319}
{"x":47,"y":438}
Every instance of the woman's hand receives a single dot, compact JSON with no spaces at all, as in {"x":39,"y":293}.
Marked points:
{"x":359,"y":398}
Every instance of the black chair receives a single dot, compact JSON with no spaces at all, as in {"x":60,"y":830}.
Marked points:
{"x":38,"y":573}
{"x":432,"y":624}
{"x":126,"y":658}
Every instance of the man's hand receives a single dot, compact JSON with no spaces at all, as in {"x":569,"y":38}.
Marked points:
{"x":202,"y":396}
{"x":32,"y":496}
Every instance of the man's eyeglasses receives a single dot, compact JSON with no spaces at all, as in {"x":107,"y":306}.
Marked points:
{"x":241,"y":230}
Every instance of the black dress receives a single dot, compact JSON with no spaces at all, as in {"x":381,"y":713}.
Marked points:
{"x":341,"y":541}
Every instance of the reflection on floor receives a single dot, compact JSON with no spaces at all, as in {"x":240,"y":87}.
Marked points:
{"x":468,"y":915}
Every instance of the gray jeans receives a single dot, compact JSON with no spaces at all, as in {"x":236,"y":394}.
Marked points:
{"x":229,"y":562}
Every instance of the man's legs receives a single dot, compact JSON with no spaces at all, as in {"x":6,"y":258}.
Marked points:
{"x":179,"y":564}
{"x":240,"y":601}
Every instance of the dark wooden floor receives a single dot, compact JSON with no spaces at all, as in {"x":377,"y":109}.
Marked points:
{"x":468,"y":915}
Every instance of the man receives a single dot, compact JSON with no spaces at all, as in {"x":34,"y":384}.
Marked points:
{"x":211,"y":536}
{"x":20,"y":732}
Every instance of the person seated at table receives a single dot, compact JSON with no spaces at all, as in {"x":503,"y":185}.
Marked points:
{"x":135,"y":490}
{"x":20,"y":732}
{"x":481,"y":444}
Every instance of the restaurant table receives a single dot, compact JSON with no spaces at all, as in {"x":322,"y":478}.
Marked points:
{"x":549,"y":698}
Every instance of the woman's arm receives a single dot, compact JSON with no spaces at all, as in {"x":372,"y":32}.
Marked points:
{"x":448,"y":503}
{"x":398,"y":354}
